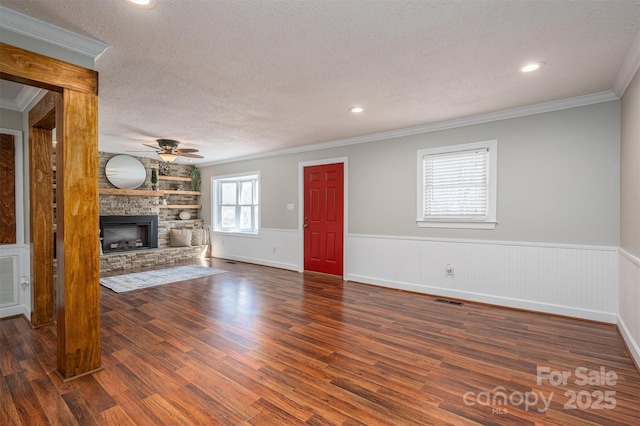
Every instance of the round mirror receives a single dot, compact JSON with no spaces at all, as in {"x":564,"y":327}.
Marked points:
{"x":125,"y":172}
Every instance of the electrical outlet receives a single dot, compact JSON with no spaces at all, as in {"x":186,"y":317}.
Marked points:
{"x":449,"y":269}
{"x":290,"y":207}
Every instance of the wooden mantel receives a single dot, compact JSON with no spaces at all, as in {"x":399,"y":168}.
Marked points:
{"x":131,"y":192}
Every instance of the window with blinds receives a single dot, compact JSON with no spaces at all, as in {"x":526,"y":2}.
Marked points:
{"x":457,"y":185}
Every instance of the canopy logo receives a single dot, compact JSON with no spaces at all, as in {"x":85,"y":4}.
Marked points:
{"x":499,"y":398}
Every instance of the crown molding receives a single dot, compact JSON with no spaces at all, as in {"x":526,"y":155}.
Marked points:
{"x":593,"y":98}
{"x":22,"y":101}
{"x":34,"y":28}
{"x":26,"y":96}
{"x":628,"y":69}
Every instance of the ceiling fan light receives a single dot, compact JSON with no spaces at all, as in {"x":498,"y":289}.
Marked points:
{"x":167,"y":157}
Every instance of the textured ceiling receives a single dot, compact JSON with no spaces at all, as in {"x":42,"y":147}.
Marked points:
{"x":237,"y":78}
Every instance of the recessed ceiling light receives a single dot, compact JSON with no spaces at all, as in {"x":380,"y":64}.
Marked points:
{"x":356,"y":110}
{"x":143,"y":4}
{"x":533,"y":66}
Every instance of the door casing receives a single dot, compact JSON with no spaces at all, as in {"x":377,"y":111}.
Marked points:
{"x":301,"y":167}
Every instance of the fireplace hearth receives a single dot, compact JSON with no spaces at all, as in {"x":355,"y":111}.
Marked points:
{"x":125,"y":233}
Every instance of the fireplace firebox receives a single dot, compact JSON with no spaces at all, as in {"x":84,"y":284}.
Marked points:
{"x":122,"y":233}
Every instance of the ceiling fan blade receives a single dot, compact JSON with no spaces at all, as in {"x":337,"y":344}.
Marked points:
{"x":183,"y":150}
{"x":190,"y":155}
{"x":151,"y":146}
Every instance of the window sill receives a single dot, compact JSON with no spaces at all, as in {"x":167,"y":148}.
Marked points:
{"x":456,"y":225}
{"x":237,"y":233}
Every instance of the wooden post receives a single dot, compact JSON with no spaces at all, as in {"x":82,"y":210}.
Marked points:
{"x":41,"y":122}
{"x":78,"y":274}
{"x":41,"y":213}
{"x":78,"y":268}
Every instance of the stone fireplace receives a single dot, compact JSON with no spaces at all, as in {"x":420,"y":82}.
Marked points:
{"x":125,"y":233}
{"x":146,"y":243}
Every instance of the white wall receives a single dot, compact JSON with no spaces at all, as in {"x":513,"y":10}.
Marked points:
{"x":554,"y":248}
{"x":629,"y":316}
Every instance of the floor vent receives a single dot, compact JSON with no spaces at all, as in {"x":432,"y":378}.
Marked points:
{"x":449,"y":302}
{"x":231,"y":262}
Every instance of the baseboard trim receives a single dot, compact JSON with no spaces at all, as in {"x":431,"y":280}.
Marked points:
{"x":14,"y":311}
{"x":255,"y":261}
{"x":566,"y":311}
{"x":632,"y":346}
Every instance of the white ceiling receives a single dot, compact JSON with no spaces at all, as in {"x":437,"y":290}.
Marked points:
{"x":237,"y":78}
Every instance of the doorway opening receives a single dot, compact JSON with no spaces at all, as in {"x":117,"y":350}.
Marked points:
{"x":323,"y":216}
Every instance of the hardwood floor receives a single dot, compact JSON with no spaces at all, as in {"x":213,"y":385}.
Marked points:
{"x":263,"y":346}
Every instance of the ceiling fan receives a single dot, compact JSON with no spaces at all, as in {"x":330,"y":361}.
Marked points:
{"x":168,"y":150}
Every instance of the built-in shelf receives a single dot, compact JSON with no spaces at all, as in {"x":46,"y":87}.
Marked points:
{"x":138,"y":192}
{"x":175,"y":191}
{"x":180,"y":178}
{"x":180,"y":206}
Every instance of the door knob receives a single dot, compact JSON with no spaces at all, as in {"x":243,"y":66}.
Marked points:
{"x":305,"y":226}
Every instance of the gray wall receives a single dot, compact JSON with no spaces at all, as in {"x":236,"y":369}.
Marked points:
{"x":558,"y":180}
{"x":10,"y":119}
{"x":630,"y":169}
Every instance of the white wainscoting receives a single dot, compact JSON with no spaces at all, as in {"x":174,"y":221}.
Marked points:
{"x":577,"y":281}
{"x":629,"y":314}
{"x":16,"y":299}
{"x":273,"y":247}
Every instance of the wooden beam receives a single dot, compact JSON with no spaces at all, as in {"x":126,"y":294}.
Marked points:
{"x":41,"y":71}
{"x":7,"y":189}
{"x":78,"y":273}
{"x":43,"y":114}
{"x":42,"y":121}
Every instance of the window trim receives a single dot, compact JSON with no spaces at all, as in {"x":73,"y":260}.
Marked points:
{"x":492,"y":187}
{"x":216,"y":211}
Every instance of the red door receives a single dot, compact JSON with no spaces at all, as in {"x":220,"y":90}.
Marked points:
{"x":324,"y":218}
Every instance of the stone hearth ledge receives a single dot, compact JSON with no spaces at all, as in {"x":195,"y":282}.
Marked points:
{"x":151,"y":257}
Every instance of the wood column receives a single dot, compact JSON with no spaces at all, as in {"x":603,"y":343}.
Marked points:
{"x":78,"y":283}
{"x":41,"y":122}
{"x":78,"y":279}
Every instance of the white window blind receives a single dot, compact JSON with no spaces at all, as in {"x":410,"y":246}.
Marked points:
{"x":455,"y":185}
